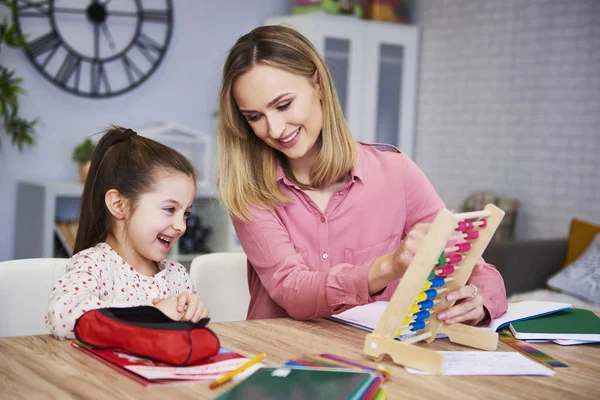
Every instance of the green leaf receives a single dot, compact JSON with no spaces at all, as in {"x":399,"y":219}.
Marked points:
{"x":21,"y":131}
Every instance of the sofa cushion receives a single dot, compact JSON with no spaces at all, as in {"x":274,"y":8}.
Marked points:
{"x":581,"y":278}
{"x":581,"y":234}
{"x":526,"y":265}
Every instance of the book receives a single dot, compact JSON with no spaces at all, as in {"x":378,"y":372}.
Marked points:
{"x":366,"y":317}
{"x":149,"y":372}
{"x":574,"y":324}
{"x":524,"y":310}
{"x":304,"y":383}
{"x":66,"y":231}
{"x":333,"y":361}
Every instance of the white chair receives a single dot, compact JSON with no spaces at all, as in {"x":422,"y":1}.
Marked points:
{"x":221,"y":282}
{"x":25,"y":286}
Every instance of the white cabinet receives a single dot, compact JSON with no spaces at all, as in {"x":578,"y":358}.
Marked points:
{"x":374,"y":67}
{"x":41,"y":205}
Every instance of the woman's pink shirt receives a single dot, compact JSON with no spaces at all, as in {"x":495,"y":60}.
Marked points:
{"x":305,"y":263}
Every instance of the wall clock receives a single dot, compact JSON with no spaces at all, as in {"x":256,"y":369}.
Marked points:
{"x":95,"y":48}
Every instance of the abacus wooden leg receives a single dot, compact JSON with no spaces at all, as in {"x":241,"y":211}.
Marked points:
{"x":404,"y":354}
{"x":471,"y":336}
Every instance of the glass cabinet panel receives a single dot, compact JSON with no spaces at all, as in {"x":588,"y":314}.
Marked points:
{"x":389,"y":91}
{"x":337,"y":58}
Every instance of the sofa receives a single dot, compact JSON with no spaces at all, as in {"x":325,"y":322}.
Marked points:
{"x":526,"y":266}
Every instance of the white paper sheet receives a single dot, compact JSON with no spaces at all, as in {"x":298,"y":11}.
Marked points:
{"x":488,"y":363}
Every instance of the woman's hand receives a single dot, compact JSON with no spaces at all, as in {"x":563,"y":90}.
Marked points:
{"x":467,"y":309}
{"x":392,"y":266}
{"x":404,"y":254}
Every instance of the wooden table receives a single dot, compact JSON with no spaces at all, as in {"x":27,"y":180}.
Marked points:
{"x":42,"y":367}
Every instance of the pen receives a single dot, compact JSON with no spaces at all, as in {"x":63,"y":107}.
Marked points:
{"x":229,"y":375}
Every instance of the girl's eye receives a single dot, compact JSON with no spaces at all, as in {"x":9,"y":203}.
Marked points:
{"x":284,"y":107}
{"x":187,"y":214}
{"x":252,"y":118}
{"x":170,"y":209}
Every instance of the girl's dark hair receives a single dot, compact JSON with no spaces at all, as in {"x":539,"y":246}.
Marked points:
{"x":128,"y":163}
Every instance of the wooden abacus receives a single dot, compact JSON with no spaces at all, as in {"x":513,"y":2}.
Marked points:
{"x":420,"y":293}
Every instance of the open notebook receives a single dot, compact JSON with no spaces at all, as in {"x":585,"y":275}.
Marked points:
{"x":366,"y":317}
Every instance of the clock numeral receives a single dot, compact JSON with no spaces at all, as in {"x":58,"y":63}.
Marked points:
{"x":131,"y":69}
{"x":155,"y":16}
{"x":38,"y":8}
{"x":148,"y":47}
{"x":44,"y":44}
{"x":70,"y":65}
{"x":99,"y":78}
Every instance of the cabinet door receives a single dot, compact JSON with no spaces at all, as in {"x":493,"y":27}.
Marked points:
{"x":389,"y":85}
{"x":341,"y":46}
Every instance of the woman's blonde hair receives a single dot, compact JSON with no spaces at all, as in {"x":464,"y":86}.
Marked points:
{"x":246,"y":170}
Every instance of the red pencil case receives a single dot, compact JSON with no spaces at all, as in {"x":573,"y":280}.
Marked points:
{"x":147,"y":332}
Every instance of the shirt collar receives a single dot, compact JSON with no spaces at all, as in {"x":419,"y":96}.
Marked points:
{"x":357,"y":171}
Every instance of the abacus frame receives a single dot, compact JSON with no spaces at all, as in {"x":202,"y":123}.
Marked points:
{"x":382,"y":340}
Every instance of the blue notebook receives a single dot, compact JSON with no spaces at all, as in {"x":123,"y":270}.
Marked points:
{"x":300,"y":383}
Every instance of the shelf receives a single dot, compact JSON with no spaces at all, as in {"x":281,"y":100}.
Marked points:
{"x":41,"y":204}
{"x":75,"y":189}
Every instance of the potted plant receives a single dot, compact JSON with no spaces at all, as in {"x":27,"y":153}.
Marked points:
{"x":20,"y":130}
{"x":82,"y":155}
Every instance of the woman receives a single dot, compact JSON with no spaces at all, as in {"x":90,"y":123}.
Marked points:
{"x":327,"y":223}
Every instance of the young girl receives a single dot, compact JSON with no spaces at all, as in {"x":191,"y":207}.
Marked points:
{"x":327,"y":223}
{"x":135,"y":203}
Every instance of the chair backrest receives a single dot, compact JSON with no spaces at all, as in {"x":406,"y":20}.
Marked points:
{"x":221,"y":282}
{"x":25,"y":286}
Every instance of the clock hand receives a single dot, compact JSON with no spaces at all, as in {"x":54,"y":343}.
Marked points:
{"x":106,"y":32}
{"x":96,"y":41}
{"x":69,"y":10}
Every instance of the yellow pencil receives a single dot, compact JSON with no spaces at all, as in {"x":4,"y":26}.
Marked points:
{"x":229,"y":375}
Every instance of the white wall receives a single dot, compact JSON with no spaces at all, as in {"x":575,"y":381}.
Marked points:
{"x":509,"y":101}
{"x":183,"y":89}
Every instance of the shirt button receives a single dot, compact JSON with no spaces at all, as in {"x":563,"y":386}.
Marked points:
{"x":323,"y":219}
{"x":325,"y":255}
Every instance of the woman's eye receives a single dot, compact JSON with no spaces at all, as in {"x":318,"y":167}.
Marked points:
{"x":252,"y":118}
{"x":170,"y":209}
{"x":187,"y":214}
{"x":285,"y":106}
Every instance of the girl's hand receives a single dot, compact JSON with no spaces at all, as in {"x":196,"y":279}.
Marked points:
{"x":193,"y":307}
{"x":404,"y":254}
{"x":468,"y":308}
{"x":169,"y":307}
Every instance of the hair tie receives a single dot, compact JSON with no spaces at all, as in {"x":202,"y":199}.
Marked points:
{"x":126,"y":134}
